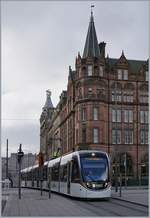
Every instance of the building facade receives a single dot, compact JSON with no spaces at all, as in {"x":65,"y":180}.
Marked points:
{"x":105,"y":107}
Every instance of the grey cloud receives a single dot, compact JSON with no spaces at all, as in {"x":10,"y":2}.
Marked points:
{"x":41,"y":39}
{"x":27,"y":133}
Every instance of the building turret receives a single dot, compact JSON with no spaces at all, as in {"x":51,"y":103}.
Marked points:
{"x":45,"y":123}
{"x":48,"y":103}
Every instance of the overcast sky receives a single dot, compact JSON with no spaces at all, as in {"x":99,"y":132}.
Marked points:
{"x":39,"y":42}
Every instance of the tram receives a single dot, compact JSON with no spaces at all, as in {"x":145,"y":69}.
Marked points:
{"x":82,"y":174}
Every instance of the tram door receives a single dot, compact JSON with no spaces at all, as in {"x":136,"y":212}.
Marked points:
{"x":68,"y":176}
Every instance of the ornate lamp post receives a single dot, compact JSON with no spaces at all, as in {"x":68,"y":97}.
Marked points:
{"x":20,"y":155}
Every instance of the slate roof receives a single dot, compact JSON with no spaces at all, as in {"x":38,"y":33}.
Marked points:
{"x":91,"y":48}
{"x":134,"y":65}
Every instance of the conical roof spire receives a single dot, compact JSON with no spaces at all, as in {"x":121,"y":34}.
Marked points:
{"x":48,"y":103}
{"x":91,"y":48}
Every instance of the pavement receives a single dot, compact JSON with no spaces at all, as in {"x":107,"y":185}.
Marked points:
{"x":32,"y":203}
{"x":138,"y":195}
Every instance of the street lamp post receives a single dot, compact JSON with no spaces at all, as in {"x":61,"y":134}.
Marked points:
{"x":7,"y":160}
{"x":125,"y":166}
{"x":20,"y":155}
{"x":116,"y":139}
{"x":41,"y":163}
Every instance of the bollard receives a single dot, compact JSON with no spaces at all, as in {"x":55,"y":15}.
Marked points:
{"x":50,"y":184}
{"x":120,"y":193}
{"x":116,"y":185}
{"x":49,"y":189}
{"x":41,"y":188}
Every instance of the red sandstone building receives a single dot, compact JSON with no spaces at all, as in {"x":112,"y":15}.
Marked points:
{"x":105,"y":107}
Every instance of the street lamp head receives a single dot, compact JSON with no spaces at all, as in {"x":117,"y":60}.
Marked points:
{"x":20,"y":153}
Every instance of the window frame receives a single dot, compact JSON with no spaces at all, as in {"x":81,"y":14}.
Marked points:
{"x":125,"y":74}
{"x":119,"y":74}
{"x":83,"y":114}
{"x":95,"y":113}
{"x":128,"y":136}
{"x":101,"y":71}
{"x":90,"y":70}
{"x":146,"y":75}
{"x":95,"y":135}
{"x":116,"y":115}
{"x":116,"y":134}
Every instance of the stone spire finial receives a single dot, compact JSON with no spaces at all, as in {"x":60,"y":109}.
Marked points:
{"x":48,"y":103}
{"x":122,"y":52}
{"x":48,"y":93}
{"x":91,"y":48}
{"x":92,"y":18}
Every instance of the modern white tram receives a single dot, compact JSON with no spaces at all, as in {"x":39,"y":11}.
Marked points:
{"x":82,"y":174}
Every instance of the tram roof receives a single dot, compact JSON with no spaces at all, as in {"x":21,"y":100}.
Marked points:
{"x":48,"y":163}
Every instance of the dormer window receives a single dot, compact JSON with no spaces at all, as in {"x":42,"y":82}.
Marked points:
{"x":125,"y":74}
{"x":119,"y":74}
{"x":90,"y":70}
{"x":122,"y":74}
{"x":101,"y":71}
{"x":146,"y":76}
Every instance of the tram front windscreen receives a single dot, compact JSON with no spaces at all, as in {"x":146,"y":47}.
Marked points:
{"x":94,"y":169}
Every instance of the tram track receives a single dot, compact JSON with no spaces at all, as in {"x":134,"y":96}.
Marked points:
{"x":101,"y":210}
{"x":115,"y":208}
{"x":130,"y":202}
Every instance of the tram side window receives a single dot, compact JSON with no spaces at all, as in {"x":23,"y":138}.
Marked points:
{"x":22,"y":176}
{"x":75,"y":171}
{"x":64,"y":173}
{"x":45,"y":173}
{"x":27,"y":176}
{"x":30,"y":175}
{"x":55,"y":172}
{"x":37,"y":174}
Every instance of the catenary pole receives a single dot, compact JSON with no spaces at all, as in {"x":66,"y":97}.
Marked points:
{"x":7,"y":159}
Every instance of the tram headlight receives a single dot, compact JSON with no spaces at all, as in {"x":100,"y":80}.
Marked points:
{"x":93,"y":185}
{"x":105,"y":185}
{"x":88,"y":184}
